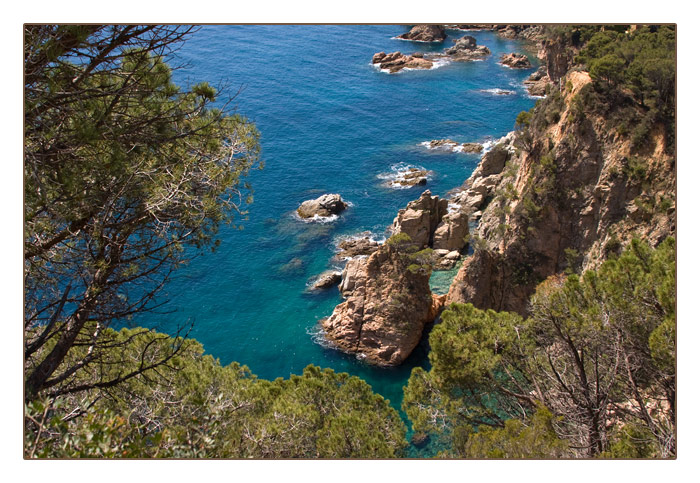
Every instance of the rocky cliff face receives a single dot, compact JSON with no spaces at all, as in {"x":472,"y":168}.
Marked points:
{"x":420,"y":218}
{"x":388,"y":297}
{"x":572,"y":191}
{"x":388,"y":304}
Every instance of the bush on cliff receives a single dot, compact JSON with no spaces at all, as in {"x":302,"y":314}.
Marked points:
{"x":597,"y":354}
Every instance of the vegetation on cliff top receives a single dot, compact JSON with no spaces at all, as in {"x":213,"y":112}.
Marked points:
{"x":590,"y":373}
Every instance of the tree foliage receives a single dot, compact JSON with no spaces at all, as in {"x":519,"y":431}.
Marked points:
{"x":597,"y":352}
{"x":642,"y":61}
{"x":123,"y":171}
{"x":195,"y":408}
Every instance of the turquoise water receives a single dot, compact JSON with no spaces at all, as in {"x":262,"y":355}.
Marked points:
{"x":329,"y":123}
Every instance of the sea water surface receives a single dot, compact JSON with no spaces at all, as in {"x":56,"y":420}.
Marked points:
{"x":330,"y":122}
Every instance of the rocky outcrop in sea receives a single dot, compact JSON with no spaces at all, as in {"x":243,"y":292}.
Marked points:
{"x":516,"y":61}
{"x":322,"y":207}
{"x":425,"y":33}
{"x":326,"y":280}
{"x":396,"y":61}
{"x":388,"y":297}
{"x":451,"y":145}
{"x":465,"y":49}
{"x":361,"y":244}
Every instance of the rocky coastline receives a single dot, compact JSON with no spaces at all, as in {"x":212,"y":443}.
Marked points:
{"x":464,"y":50}
{"x":530,"y":222}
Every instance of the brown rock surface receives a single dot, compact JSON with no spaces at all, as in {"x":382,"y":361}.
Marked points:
{"x":452,"y":232}
{"x":516,"y":61}
{"x":396,"y":61}
{"x":326,"y":205}
{"x":425,"y":33}
{"x":420,"y":218}
{"x":387,"y":307}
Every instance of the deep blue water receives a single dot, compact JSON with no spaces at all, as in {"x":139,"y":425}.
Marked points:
{"x":329,"y":123}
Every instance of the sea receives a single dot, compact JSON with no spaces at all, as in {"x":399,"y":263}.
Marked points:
{"x":330,"y":122}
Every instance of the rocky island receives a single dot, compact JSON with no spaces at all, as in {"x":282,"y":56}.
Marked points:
{"x":323,"y":207}
{"x":425,"y":33}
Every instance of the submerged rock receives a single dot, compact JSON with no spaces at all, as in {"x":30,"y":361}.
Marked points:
{"x":324,"y":206}
{"x":425,"y":33}
{"x":295,"y":265}
{"x":516,"y":61}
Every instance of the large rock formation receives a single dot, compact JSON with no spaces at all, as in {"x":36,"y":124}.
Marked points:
{"x":516,"y":61}
{"x":425,"y":33}
{"x":388,"y":294}
{"x":465,"y":49}
{"x":537,"y":82}
{"x":389,"y":302}
{"x":396,"y":61}
{"x":452,"y":232}
{"x":420,"y":218}
{"x":324,"y":206}
{"x":565,"y":192}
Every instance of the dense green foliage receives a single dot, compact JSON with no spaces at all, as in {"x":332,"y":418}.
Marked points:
{"x":634,"y":74}
{"x":593,"y":366}
{"x":123,"y":171}
{"x":642,"y":62}
{"x":195,"y":408}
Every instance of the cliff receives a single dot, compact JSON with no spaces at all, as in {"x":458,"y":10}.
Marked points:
{"x":388,"y":296}
{"x":388,"y":304}
{"x":573,"y":190}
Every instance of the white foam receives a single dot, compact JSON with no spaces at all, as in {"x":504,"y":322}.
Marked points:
{"x":488,"y":145}
{"x":455,"y":148}
{"x":441,"y":62}
{"x":316,"y":218}
{"x":398,"y":172}
{"x":318,"y":335}
{"x":498,"y":92}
